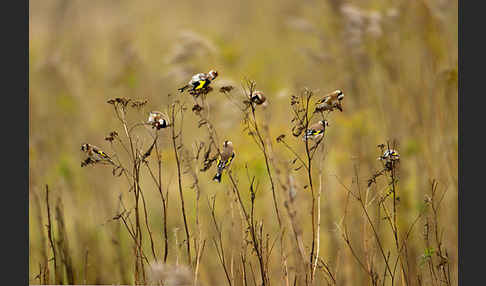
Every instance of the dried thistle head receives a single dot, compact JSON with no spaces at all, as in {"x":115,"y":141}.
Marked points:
{"x":197,"y":108}
{"x":111,"y":136}
{"x":226,"y":89}
{"x":294,"y":100}
{"x":190,"y":45}
{"x":122,"y":101}
{"x":138,"y":103}
{"x":170,"y":275}
{"x":300,"y":106}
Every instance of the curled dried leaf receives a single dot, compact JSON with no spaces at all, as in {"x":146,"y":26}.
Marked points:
{"x":297,"y":130}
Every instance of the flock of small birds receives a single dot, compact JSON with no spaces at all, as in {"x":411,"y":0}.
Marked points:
{"x":200,"y":84}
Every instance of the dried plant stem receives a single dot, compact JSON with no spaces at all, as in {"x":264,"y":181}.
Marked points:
{"x":148,"y":227}
{"x":375,"y":233}
{"x":219,"y":243}
{"x":251,"y":225}
{"x":291,"y":211}
{"x":199,"y":254}
{"x":285,"y":268}
{"x":86,"y":266}
{"x":158,"y":182}
{"x":51,"y":239}
{"x":43,"y":251}
{"x":318,"y":215}
{"x":137,"y":235}
{"x":63,"y":244}
{"x":260,"y":142}
{"x":179,"y":180}
{"x":308,"y":96}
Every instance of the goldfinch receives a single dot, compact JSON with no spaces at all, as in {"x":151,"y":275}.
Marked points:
{"x":95,"y":154}
{"x":316,"y":130}
{"x":390,"y":155}
{"x":391,"y":158}
{"x":258,"y":97}
{"x":199,"y":82}
{"x":225,"y":159}
{"x":330,"y":101}
{"x":157,"y":120}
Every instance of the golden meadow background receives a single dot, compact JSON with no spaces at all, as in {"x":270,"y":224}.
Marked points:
{"x":396,"y":62}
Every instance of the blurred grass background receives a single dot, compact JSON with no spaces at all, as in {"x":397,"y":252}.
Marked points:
{"x":396,"y":62}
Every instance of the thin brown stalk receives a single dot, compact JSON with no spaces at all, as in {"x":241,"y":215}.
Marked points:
{"x":219,"y":244}
{"x":51,"y":239}
{"x":263,"y":148}
{"x":377,"y":238}
{"x":179,"y":180}
{"x":148,"y":226}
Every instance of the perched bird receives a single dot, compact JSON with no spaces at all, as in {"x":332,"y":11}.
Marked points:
{"x":316,"y":130}
{"x":258,"y":97}
{"x":199,"y":82}
{"x":95,"y":154}
{"x":390,"y":155}
{"x":157,"y":120}
{"x":225,"y":159}
{"x":330,"y":101}
{"x":391,"y":158}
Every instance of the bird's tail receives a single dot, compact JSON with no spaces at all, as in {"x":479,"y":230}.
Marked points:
{"x":183,"y":88}
{"x":217,"y":177}
{"x":111,"y":161}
